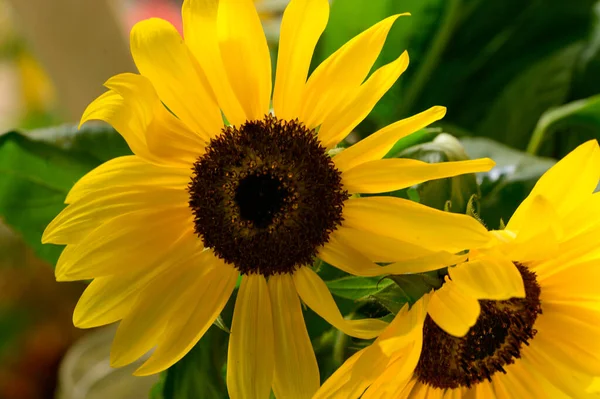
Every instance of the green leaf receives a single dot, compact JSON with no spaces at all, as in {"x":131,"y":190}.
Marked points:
{"x":199,"y":373}
{"x":508,"y":184}
{"x":497,"y":47}
{"x":37,"y":170}
{"x":356,"y":288}
{"x":586,"y":81}
{"x":582,"y":116}
{"x":392,"y":298}
{"x":157,"y":390}
{"x":408,"y":288}
{"x":513,"y":115}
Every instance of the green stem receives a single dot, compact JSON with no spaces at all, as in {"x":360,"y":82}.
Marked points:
{"x":432,"y":57}
{"x":339,"y":348}
{"x":550,"y":118}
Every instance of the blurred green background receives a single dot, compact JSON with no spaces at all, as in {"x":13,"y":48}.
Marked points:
{"x":521,"y":81}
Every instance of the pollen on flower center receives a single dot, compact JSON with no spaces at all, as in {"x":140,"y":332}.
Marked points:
{"x":266,"y":196}
{"x":492,"y":343}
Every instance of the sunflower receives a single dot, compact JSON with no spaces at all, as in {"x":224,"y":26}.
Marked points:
{"x":220,"y":187}
{"x":543,"y":345}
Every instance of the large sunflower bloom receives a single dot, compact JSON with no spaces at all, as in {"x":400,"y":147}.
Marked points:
{"x":165,"y":233}
{"x":544,"y":345}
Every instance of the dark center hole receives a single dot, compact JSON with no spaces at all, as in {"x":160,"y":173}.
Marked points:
{"x":260,"y":198}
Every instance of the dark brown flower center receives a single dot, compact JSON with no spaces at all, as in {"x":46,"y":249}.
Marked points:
{"x":266,"y":196}
{"x":492,"y":343}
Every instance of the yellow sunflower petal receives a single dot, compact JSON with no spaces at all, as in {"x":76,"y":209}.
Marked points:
{"x":385,"y":175}
{"x":161,"y":55}
{"x":81,"y":217}
{"x":578,"y":249}
{"x":166,"y":136}
{"x":379,"y":248}
{"x":316,"y":295}
{"x":423,"y":391}
{"x":409,"y":320}
{"x":366,"y":366}
{"x":329,"y":85}
{"x":586,"y":216}
{"x":180,"y":147}
{"x":108,"y":299}
{"x":245,"y":55}
{"x":345,"y":257}
{"x":409,"y":387}
{"x":489,"y":277}
{"x":409,"y":221}
{"x":392,"y":382}
{"x":565,"y":185}
{"x":397,"y":349}
{"x":381,"y":142}
{"x":302,"y":25}
{"x":296,"y":370}
{"x":197,"y":312}
{"x":112,"y":108}
{"x":565,"y":381}
{"x":251,"y":358}
{"x":143,"y":326}
{"x":569,"y":333}
{"x":539,"y":238}
{"x":201,"y":36}
{"x":578,"y":282}
{"x":340,"y":121}
{"x":128,"y":171}
{"x":485,"y":390}
{"x":517,"y":382}
{"x":344,"y":383}
{"x":453,"y":310}
{"x":124,"y":244}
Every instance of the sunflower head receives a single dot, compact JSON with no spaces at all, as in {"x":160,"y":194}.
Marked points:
{"x":253,"y":185}
{"x":518,"y":318}
{"x":233,"y":176}
{"x":490,"y":345}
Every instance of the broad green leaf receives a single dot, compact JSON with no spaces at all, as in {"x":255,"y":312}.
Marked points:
{"x":37,"y":170}
{"x":513,"y":115}
{"x":356,"y":288}
{"x":495,"y":47}
{"x":508,"y":184}
{"x":586,"y":81}
{"x":582,"y":115}
{"x":408,"y":288}
{"x":199,"y":373}
{"x":97,"y":141}
{"x":157,"y":391}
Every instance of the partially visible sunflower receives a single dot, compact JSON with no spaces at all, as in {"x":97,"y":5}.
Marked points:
{"x":165,"y":233}
{"x":544,"y":345}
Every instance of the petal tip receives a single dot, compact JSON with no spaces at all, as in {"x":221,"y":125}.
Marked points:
{"x":117,"y":361}
{"x":440,"y":111}
{"x":144,"y":371}
{"x":488,"y":164}
{"x":47,"y":237}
